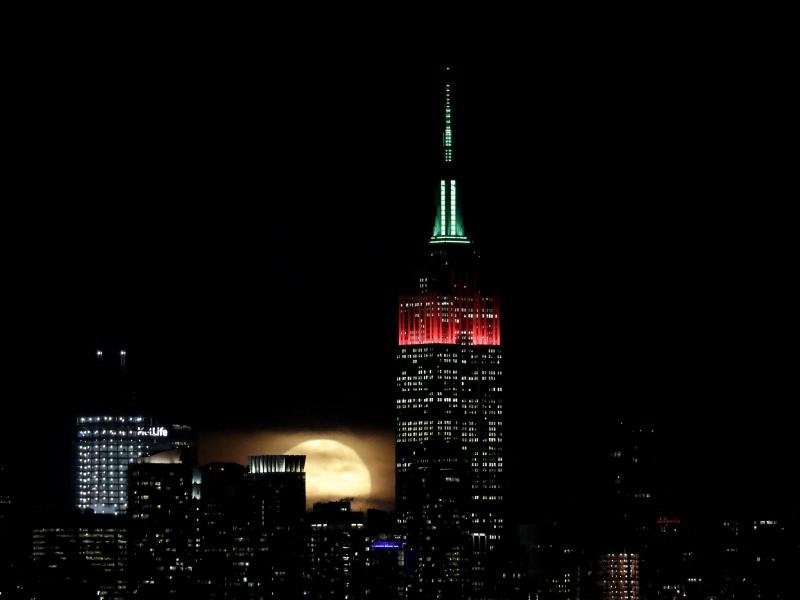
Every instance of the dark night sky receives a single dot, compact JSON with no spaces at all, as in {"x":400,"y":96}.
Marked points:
{"x":245,"y":220}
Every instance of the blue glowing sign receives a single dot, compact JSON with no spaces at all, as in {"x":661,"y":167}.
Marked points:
{"x":386,"y":545}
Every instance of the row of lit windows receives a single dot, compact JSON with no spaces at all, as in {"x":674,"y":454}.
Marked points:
{"x":94,"y":450}
{"x":464,"y":306}
{"x":132,"y":433}
{"x":416,"y":350}
{"x":428,"y":400}
{"x":108,"y":419}
{"x":117,"y":484}
{"x":111,"y":445}
{"x":442,"y":301}
{"x":487,"y":465}
{"x":469,"y":408}
{"x":415,"y":377}
{"x":111,"y":460}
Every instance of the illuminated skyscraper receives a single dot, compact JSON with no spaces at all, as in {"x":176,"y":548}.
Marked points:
{"x":449,"y":410}
{"x":619,"y":576}
{"x":106,"y":446}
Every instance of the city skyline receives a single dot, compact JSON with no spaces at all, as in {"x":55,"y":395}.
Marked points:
{"x":651,"y":292}
{"x":643,"y":316}
{"x":661,"y":305}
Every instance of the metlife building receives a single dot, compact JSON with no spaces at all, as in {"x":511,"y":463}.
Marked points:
{"x":106,"y":445}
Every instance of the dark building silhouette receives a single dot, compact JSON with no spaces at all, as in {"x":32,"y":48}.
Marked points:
{"x":509,"y":579}
{"x":385,"y":558}
{"x":628,"y":505}
{"x":276,"y":498}
{"x":635,"y":478}
{"x":11,"y":535}
{"x":384,"y":569}
{"x":79,"y":556}
{"x":5,"y":494}
{"x":338,"y":551}
{"x":748,"y":558}
{"x":449,"y":411}
{"x":673,"y":568}
{"x":222,"y":546}
{"x":678,"y":553}
{"x":159,"y":513}
{"x":555,"y":559}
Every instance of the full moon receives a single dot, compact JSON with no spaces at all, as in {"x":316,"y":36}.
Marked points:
{"x":333,"y":471}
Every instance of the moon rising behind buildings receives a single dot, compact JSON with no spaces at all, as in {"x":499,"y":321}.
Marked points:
{"x":333,"y":470}
{"x":339,"y":464}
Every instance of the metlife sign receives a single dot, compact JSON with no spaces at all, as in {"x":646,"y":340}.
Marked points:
{"x":155,"y":432}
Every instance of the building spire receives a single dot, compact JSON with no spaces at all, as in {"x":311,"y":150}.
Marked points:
{"x":448,"y":227}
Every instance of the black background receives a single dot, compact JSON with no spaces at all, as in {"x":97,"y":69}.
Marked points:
{"x":244,"y":216}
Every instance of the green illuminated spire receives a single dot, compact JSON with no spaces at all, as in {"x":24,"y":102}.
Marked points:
{"x":449,"y":227}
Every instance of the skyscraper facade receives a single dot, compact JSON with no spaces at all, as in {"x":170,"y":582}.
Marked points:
{"x":106,"y":445}
{"x":80,"y":556}
{"x":449,"y":412}
{"x":276,"y":499}
{"x":223,"y":550}
{"x":338,"y":545}
{"x":112,"y":432}
{"x":619,"y":576}
{"x":159,"y":512}
{"x":634,"y":473}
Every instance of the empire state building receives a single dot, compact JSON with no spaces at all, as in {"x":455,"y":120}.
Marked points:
{"x":449,"y":410}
